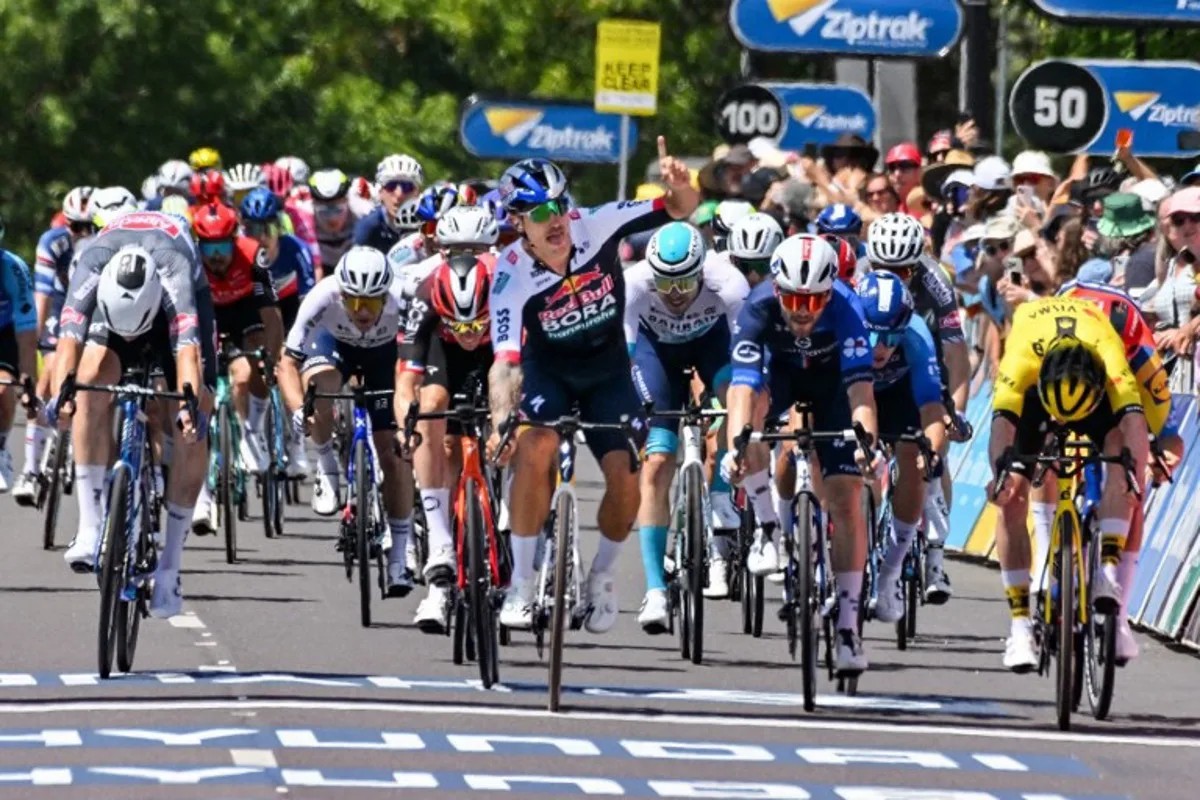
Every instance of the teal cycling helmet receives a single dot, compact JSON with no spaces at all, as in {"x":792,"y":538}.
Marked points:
{"x":676,"y":250}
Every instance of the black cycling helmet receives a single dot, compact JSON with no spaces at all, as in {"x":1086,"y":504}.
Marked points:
{"x":1101,"y":181}
{"x":1071,"y":379}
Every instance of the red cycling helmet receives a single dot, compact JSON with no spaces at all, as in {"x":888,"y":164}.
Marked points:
{"x":215,"y":221}
{"x":847,"y":258}
{"x":208,"y":186}
{"x":278,"y":179}
{"x":460,"y":289}
{"x":903,"y":152}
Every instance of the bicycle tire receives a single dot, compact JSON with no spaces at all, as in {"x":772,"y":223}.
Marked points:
{"x":362,"y":539}
{"x":227,"y":482}
{"x":129,"y":622}
{"x":54,"y":492}
{"x":1100,"y":650}
{"x":479,"y":572}
{"x":906,"y":592}
{"x":459,"y":634}
{"x":113,"y":560}
{"x":916,"y":587}
{"x":745,"y":579}
{"x":694,"y":561}
{"x":563,"y":555}
{"x":268,"y":479}
{"x":805,"y":598}
{"x":1065,"y":690}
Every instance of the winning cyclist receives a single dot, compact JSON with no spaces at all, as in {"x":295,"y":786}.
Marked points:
{"x":138,"y":295}
{"x":802,"y":336}
{"x":679,"y":308}
{"x":1063,"y":365}
{"x":908,"y":396}
{"x":557,"y":305}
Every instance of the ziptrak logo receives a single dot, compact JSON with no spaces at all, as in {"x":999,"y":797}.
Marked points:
{"x":1145,"y":104}
{"x":524,"y":125}
{"x":816,"y":118}
{"x":840,"y":24}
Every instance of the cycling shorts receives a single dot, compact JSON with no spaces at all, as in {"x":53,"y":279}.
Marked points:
{"x":288,"y":308}
{"x":240,"y":318}
{"x":377,"y":365}
{"x":830,"y":411}
{"x":896,"y":409}
{"x":658,"y":370}
{"x":606,"y":398}
{"x":48,"y":338}
{"x":449,"y":366}
{"x":10,"y":354}
{"x":1034,"y":425}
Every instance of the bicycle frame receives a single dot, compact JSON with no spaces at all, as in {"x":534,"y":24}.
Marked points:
{"x":223,"y":397}
{"x":133,"y":449}
{"x":473,"y":470}
{"x":693,"y":457}
{"x":362,"y":433}
{"x":566,"y":486}
{"x":1065,"y":507}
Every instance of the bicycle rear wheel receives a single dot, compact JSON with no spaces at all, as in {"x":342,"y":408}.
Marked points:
{"x":1067,"y":614}
{"x":1100,"y":648}
{"x":694,"y":572}
{"x":226,"y":482}
{"x":114,"y":558}
{"x":54,"y":490}
{"x":807,"y":604}
{"x":564,"y":520}
{"x":479,"y":585}
{"x":129,"y":621}
{"x":909,"y":600}
{"x":744,"y":579}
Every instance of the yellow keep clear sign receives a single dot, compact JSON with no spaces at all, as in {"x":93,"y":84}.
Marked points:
{"x":627,"y":66}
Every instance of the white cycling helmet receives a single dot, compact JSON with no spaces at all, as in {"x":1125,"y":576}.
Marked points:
{"x":244,"y":177}
{"x":728,"y":212}
{"x":363,"y":272}
{"x":804,"y":264}
{"x":895,"y":240}
{"x":150,"y":187}
{"x":76,"y":204}
{"x":175,"y":174}
{"x":296,"y":167}
{"x":130,"y":292}
{"x":407,"y":217}
{"x":467,"y":226}
{"x":754,"y":236}
{"x":676,"y":250}
{"x":111,"y":202}
{"x":399,"y":167}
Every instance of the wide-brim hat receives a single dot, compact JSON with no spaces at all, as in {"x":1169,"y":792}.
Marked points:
{"x":1124,"y":215}
{"x":850,"y":144}
{"x":934,"y":175}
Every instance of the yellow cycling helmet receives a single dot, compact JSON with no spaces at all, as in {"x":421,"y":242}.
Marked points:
{"x":204,"y":158}
{"x":1071,"y":379}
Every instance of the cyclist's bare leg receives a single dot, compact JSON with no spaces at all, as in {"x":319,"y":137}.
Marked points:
{"x":531,"y":466}
{"x":849,"y":545}
{"x":328,"y":380}
{"x":1013,"y":549}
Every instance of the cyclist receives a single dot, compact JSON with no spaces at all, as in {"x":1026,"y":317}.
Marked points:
{"x":908,"y":396}
{"x":414,"y":245}
{"x":18,"y":347}
{"x":843,"y":221}
{"x":296,"y":167}
{"x":726,"y":215}
{"x":241,"y":178}
{"x":557,"y":330}
{"x":208,"y":186}
{"x":896,"y":243}
{"x":110,"y":202}
{"x":334,"y":221}
{"x":398,"y":178}
{"x":1063,"y":365}
{"x":246,"y":309}
{"x":297,"y":206}
{"x":810,"y":326}
{"x":679,"y":308}
{"x":348,"y":323}
{"x":204,"y":158}
{"x":751,"y":242}
{"x":138,"y":294}
{"x":55,"y":250}
{"x":446,"y":347}
{"x":174,"y":180}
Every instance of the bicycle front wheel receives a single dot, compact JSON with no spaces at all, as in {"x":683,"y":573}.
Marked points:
{"x":227,"y":482}
{"x":54,"y":489}
{"x":808,"y":605}
{"x":363,"y":510}
{"x":480,"y":611}
{"x":563,"y":557}
{"x":1067,"y":614}
{"x":114,"y":558}
{"x":268,"y":479}
{"x":694,"y":572}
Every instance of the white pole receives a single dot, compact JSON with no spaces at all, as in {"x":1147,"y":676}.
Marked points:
{"x":623,"y":174}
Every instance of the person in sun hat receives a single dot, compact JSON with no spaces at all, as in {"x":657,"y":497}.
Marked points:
{"x":847,"y":151}
{"x":933,"y":177}
{"x":993,"y":188}
{"x":1032,"y":168}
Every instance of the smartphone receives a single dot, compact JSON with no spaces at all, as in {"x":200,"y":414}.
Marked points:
{"x":1093,"y":224}
{"x":1025,"y":190}
{"x":810,"y":150}
{"x":1015,"y":277}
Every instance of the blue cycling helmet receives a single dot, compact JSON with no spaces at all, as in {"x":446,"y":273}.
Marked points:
{"x":839,"y":218}
{"x":886,"y":301}
{"x":491,"y":201}
{"x":530,"y":183}
{"x":437,"y":200}
{"x":260,"y":205}
{"x":676,"y":250}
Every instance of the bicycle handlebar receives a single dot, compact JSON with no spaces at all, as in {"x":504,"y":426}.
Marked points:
{"x":931,"y":457}
{"x":29,"y":397}
{"x":359,"y":396}
{"x":466,"y":414}
{"x":805,"y":438}
{"x":566,"y":427}
{"x":71,"y":386}
{"x":1053,"y":455}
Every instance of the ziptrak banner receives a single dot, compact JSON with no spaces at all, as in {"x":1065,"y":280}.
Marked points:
{"x":558,"y":131}
{"x":850,"y":27}
{"x":1172,"y":12}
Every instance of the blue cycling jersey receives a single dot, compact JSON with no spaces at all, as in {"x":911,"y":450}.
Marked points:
{"x":16,"y":294}
{"x":915,"y":356}
{"x":374,"y":230}
{"x":54,"y":252}
{"x":838,"y":341}
{"x":292,"y":270}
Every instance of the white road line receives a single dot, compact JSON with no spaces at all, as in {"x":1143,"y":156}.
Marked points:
{"x":186,"y":621}
{"x":699,"y":720}
{"x":254,"y":758}
{"x":205,"y":644}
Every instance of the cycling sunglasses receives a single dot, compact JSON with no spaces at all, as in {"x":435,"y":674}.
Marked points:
{"x":356,"y":304}
{"x":216,"y":247}
{"x":261,"y":230}
{"x":681,"y":285}
{"x":889,"y":339}
{"x":458,"y":328}
{"x":794,"y":302}
{"x":82,"y":228}
{"x":543,"y":213}
{"x":1179,"y":218}
{"x":405,"y":187}
{"x":759,"y":266}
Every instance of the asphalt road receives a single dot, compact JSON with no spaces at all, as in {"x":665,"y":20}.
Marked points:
{"x":267,"y":686}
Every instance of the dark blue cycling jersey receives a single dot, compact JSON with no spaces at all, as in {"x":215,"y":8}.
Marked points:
{"x":292,"y":269}
{"x":374,"y":230}
{"x":916,"y":356}
{"x":54,"y":252}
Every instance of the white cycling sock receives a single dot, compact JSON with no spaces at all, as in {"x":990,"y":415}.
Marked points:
{"x":437,"y":518}
{"x":901,"y":539}
{"x":400,"y":528}
{"x":91,"y":500}
{"x":35,"y":442}
{"x":1126,"y":575}
{"x":1043,"y":522}
{"x":849,"y":589}
{"x":179,"y":522}
{"x":758,"y":489}
{"x":524,"y":548}
{"x":783,"y":510}
{"x":606,"y":554}
{"x":327,"y":460}
{"x":258,"y":410}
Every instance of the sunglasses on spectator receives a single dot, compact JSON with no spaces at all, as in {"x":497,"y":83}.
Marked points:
{"x":794,"y":302}
{"x":216,"y":247}
{"x":1027,"y":179}
{"x":889,"y":339}
{"x":261,"y":230}
{"x":993,"y":248}
{"x":1180,"y":217}
{"x":543,"y":213}
{"x":458,"y":328}
{"x":681,"y":285}
{"x":902,"y":166}
{"x":759,"y":266}
{"x":356,"y":304}
{"x":405,"y":187}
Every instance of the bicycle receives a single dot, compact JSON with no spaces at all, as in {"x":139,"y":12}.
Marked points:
{"x":479,"y":585}
{"x":690,"y":516}
{"x":128,"y":553}
{"x":363,"y":525}
{"x":1068,"y":606}
{"x":271,"y":485}
{"x":806,"y":574}
{"x":562,"y":591}
{"x":56,"y":475}
{"x":226,"y":478}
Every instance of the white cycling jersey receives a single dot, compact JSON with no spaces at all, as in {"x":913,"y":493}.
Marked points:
{"x":411,"y":249}
{"x":322,"y":309}
{"x":409,"y":277}
{"x":723,"y":289}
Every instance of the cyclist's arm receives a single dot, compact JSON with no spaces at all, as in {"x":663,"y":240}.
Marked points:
{"x":507,"y":304}
{"x":637,"y":292}
{"x":746,"y":380}
{"x":42,"y":303}
{"x":926,"y":380}
{"x":289,"y":381}
{"x":18,"y":285}
{"x":1017,"y":372}
{"x":308,"y":316}
{"x":419,"y":326}
{"x":732,"y":288}
{"x":1124,"y":396}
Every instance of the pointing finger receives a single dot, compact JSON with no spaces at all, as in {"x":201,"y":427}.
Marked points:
{"x":662,"y":147}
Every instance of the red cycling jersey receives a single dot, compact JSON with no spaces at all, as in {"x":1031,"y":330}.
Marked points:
{"x":1120,"y":309}
{"x":242,"y":278}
